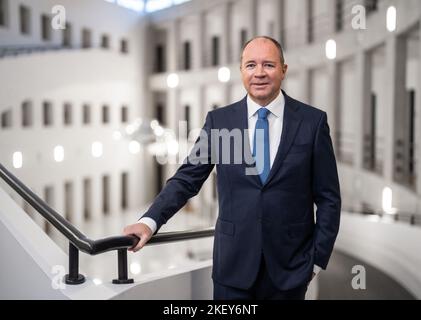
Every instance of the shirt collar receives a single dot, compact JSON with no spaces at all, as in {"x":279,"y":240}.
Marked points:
{"x":276,"y":107}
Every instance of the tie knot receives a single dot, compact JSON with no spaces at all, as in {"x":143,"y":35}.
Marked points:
{"x":263,"y":113}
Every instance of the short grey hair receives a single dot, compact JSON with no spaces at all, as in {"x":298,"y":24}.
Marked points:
{"x":276,"y":43}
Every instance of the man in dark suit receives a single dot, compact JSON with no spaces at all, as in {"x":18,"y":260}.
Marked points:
{"x":268,"y":244}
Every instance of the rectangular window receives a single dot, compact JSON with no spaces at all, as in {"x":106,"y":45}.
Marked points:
{"x":86,"y":38}
{"x":4,"y":13}
{"x":373,"y":132}
{"x":67,"y":114}
{"x":25,"y":20}
{"x":105,"y":114}
{"x":160,"y":115}
{"x":159,"y":177}
{"x":45,"y":27}
{"x":68,"y":201}
{"x":411,"y":129}
{"x":47,"y":113}
{"x":124,"y":114}
{"x":27,"y":114}
{"x":215,"y":51}
{"x":159,"y":58}
{"x":371,"y":6}
{"x":243,"y":38}
{"x":187,"y":117}
{"x":310,"y":22}
{"x":105,"y":41}
{"x":187,"y":55}
{"x":6,"y":119}
{"x":124,"y":46}
{"x":339,"y":15}
{"x":67,"y":35}
{"x":87,"y":196}
{"x":106,"y":195}
{"x":86,"y":114}
{"x":124,"y":190}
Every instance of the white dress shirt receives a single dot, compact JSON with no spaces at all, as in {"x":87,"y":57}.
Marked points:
{"x":275,"y":119}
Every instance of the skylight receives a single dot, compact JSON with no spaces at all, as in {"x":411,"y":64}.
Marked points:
{"x":146,"y":6}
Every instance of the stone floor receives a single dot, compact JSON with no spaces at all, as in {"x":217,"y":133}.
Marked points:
{"x":336,"y":282}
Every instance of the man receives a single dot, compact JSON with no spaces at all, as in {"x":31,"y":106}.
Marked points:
{"x":267,"y":244}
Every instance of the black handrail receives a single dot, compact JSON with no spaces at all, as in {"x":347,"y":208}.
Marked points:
{"x":79,"y":242}
{"x":412,"y":218}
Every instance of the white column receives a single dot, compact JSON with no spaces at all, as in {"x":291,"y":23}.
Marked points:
{"x":173,"y":41}
{"x":77,"y":214}
{"x":396,"y":96}
{"x":115,"y":194}
{"x":252,"y":17}
{"x":226,"y":38}
{"x":362,"y":105}
{"x":279,"y":21}
{"x":305,"y":86}
{"x":96,"y":197}
{"x":198,"y":55}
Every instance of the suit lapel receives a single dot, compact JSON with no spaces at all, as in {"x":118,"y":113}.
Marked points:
{"x":291,"y":123}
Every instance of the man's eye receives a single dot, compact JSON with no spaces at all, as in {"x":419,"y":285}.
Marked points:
{"x":269,"y":65}
{"x":250,"y":66}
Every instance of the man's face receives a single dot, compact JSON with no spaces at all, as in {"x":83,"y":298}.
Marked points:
{"x":262,"y":71}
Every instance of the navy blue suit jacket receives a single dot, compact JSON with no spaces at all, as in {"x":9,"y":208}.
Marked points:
{"x":276,"y":218}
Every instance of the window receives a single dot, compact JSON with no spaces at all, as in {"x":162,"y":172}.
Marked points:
{"x":187,"y":55}
{"x":3,"y":13}
{"x":124,"y":190}
{"x":124,"y":114}
{"x":49,"y":199}
{"x":339,"y":17}
{"x":87,"y":198}
{"x":25,"y":20}
{"x":159,"y":113}
{"x":86,"y":38}
{"x":105,"y":114}
{"x":187,"y":117}
{"x":47,"y":113}
{"x":6,"y":119}
{"x":86,"y":118}
{"x":371,"y":6}
{"x":67,"y":114}
{"x":124,"y":46}
{"x":106,"y":195}
{"x":243,"y":38}
{"x":45,"y":27}
{"x":68,"y":201}
{"x":215,"y":51}
{"x":67,"y":35}
{"x":27,"y":114}
{"x":412,"y":140}
{"x":159,"y":177}
{"x":105,"y":42}
{"x":310,"y":23}
{"x":159,"y":58}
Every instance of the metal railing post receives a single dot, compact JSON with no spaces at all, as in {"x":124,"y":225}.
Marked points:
{"x":122,"y":268}
{"x":74,"y":277}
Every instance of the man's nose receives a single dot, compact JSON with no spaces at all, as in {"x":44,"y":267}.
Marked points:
{"x":260,"y":72}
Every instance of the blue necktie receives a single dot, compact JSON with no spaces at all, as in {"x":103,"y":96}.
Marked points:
{"x":261,"y":144}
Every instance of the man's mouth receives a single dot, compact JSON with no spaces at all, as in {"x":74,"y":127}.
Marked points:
{"x":260,"y":84}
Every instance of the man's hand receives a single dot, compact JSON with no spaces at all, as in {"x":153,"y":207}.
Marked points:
{"x":140,"y":230}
